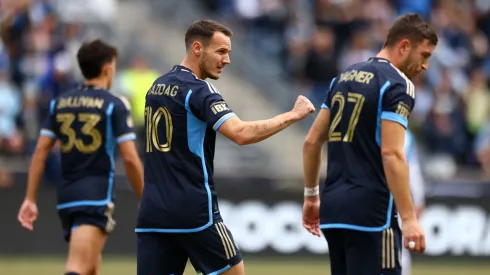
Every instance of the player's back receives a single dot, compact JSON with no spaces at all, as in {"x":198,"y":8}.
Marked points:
{"x":87,"y":121}
{"x":182,"y":113}
{"x":356,"y":194}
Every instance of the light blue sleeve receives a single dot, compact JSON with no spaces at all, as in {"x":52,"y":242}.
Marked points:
{"x":326,"y":103}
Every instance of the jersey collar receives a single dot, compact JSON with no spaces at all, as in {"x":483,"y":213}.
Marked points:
{"x":178,"y":68}
{"x":86,"y":87}
{"x":379,"y":59}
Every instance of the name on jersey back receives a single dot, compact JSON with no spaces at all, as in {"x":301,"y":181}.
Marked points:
{"x":163,"y":89}
{"x":362,"y":77}
{"x":80,"y":101}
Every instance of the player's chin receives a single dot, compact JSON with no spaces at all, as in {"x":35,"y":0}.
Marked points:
{"x":413,"y":75}
{"x":214,"y":76}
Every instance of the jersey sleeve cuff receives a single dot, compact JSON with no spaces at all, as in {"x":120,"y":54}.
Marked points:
{"x":324,"y":106}
{"x":222,"y":120}
{"x":126,"y":137}
{"x":48,"y":133}
{"x":395,"y":117}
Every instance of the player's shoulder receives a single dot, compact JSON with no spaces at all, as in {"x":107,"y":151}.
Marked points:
{"x":394,"y":75}
{"x":194,"y":83}
{"x":204,"y":88}
{"x":178,"y":75}
{"x":118,"y":100}
{"x":364,"y":66}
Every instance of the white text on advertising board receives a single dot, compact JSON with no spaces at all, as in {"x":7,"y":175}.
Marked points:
{"x":460,"y":230}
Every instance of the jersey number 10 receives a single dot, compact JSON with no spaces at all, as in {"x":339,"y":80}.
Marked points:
{"x":358,"y":100}
{"x":152,"y":122}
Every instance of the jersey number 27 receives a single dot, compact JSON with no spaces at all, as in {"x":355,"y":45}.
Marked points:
{"x":338,"y":98}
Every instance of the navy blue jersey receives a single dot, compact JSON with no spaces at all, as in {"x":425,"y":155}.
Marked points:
{"x":356,"y":194}
{"x":88,"y":122}
{"x":182,"y":114}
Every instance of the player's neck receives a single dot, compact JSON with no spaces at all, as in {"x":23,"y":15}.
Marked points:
{"x":386,"y":54}
{"x":193,"y":66}
{"x":98,"y":82}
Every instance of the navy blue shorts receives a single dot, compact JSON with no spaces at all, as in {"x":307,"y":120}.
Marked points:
{"x":99,"y":216}
{"x":364,"y":253}
{"x":211,"y":251}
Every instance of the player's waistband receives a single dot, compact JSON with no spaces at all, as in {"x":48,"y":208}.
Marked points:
{"x":88,"y":191}
{"x":142,"y":229}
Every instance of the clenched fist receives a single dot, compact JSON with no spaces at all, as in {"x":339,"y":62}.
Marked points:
{"x":413,"y":232}
{"x":303,"y":107}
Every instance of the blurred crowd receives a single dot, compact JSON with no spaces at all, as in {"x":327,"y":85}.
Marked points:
{"x":316,"y":39}
{"x":39,"y":41}
{"x":313,"y":40}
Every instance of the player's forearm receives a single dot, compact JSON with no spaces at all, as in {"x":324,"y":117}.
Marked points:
{"x":396,"y":171}
{"x":134,"y":171}
{"x":256,"y":131}
{"x":312,"y":153}
{"x":36,"y":171}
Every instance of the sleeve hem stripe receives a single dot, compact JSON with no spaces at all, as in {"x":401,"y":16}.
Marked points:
{"x":48,"y":133}
{"x":395,"y":117}
{"x":324,"y":106}
{"x":126,"y":137}
{"x":222,"y":120}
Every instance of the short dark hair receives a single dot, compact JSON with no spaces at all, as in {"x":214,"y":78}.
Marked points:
{"x":203,"y":30}
{"x":93,"y":55}
{"x":413,"y":27}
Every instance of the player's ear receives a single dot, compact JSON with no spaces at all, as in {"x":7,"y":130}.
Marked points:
{"x":197,"y":48}
{"x":404,"y":46}
{"x":106,"y":69}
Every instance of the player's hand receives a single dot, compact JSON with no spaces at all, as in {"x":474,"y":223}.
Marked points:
{"x":28,"y":214}
{"x":311,"y":215}
{"x":413,"y":232}
{"x":303,"y":107}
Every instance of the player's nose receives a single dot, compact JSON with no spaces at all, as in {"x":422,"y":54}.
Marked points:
{"x":226,"y":60}
{"x":425,"y":66}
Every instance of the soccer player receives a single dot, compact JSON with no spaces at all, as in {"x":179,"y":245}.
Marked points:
{"x":364,"y":118}
{"x":179,"y":217}
{"x":88,"y":122}
{"x":417,"y":190}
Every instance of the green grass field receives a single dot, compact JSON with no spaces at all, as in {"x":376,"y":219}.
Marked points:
{"x":126,"y":266}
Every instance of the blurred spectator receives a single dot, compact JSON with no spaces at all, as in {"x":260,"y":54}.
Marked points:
{"x":477,"y":99}
{"x":425,"y":100}
{"x":13,"y":30}
{"x":10,"y":107}
{"x":73,"y":41}
{"x":134,"y":83}
{"x":422,"y":7}
{"x":359,"y":48}
{"x":86,"y":11}
{"x":481,"y":147}
{"x":11,"y":141}
{"x":445,"y":132}
{"x":320,"y":67}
